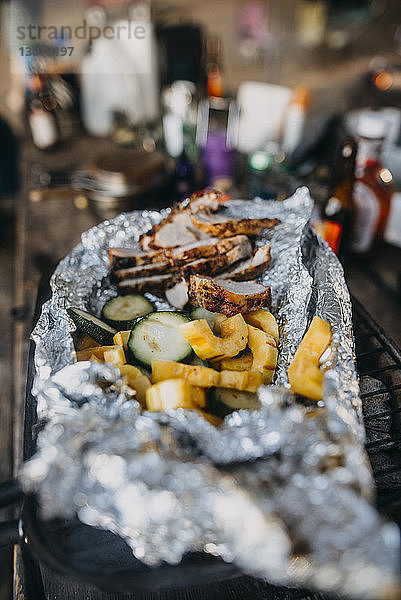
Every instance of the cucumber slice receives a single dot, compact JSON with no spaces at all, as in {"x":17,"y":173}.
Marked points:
{"x":157,"y":335}
{"x":203,"y":313}
{"x":223,"y":401}
{"x":96,"y":328}
{"x":121,"y":312}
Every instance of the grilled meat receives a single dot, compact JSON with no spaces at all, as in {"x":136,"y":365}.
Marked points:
{"x":215,"y":264}
{"x":251,"y":268}
{"x":122,"y":258}
{"x":178,"y":294}
{"x":156,"y":268}
{"x":226,"y":296}
{"x":155,"y":282}
{"x":221,"y":226}
{"x":204,"y":249}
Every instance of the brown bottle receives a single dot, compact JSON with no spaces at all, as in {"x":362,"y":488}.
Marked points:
{"x":338,"y":210}
{"x":373,"y":188}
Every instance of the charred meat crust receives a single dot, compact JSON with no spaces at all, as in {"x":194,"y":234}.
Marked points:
{"x":233,"y":226}
{"x":217,"y":263}
{"x":124,"y":258}
{"x":209,"y":294}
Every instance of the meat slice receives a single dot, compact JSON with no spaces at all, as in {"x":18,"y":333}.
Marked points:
{"x":215,"y":264}
{"x":122,"y":258}
{"x":156,"y":268}
{"x":204,"y":249}
{"x":222,"y":226}
{"x":156,"y":282}
{"x":178,"y":294}
{"x":251,"y":268}
{"x":226,"y":296}
{"x":175,"y":230}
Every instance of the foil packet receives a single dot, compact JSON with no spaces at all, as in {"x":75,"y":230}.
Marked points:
{"x":285,"y":491}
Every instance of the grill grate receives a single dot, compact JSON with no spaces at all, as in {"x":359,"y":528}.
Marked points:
{"x":379,"y":366}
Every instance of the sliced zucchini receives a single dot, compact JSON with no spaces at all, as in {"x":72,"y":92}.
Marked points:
{"x":87,"y":323}
{"x":157,"y":336}
{"x":202,"y":313}
{"x":223,"y":401}
{"x":122,"y":312}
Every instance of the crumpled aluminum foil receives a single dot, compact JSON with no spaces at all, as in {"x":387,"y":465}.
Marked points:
{"x":286,"y":491}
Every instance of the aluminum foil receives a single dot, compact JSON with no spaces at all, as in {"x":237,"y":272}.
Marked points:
{"x":286,"y":491}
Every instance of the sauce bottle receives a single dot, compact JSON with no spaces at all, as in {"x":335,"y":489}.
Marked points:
{"x":373,"y":188}
{"x":338,"y":211}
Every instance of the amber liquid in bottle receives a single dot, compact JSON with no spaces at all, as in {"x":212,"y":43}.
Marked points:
{"x":373,"y":190}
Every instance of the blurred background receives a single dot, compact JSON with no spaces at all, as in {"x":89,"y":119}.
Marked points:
{"x":115,"y":105}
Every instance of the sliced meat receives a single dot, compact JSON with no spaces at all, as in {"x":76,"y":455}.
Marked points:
{"x":228,"y":297}
{"x":204,"y":249}
{"x":178,"y":294}
{"x":156,"y":268}
{"x":205,"y":201}
{"x":221,"y":226}
{"x":175,"y":230}
{"x":122,"y":258}
{"x":215,"y":264}
{"x":157,"y":282}
{"x":251,"y":268}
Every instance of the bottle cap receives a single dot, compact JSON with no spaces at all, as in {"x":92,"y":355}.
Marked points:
{"x":371,"y":125}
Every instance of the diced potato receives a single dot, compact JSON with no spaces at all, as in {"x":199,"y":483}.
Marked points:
{"x":304,"y":374}
{"x":171,"y":393}
{"x":236,"y":363}
{"x":205,"y":377}
{"x":195,"y":375}
{"x":121,"y":338}
{"x":234,"y":336}
{"x":137,"y":380}
{"x":115,"y":356}
{"x":97,"y":351}
{"x":264,"y":352}
{"x":198,"y":395}
{"x":248,"y":381}
{"x":86,"y":341}
{"x":264,"y":320}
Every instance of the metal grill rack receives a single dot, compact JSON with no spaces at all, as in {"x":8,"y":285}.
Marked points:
{"x":379,"y":366}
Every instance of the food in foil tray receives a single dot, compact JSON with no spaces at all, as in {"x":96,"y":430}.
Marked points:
{"x":229,"y":326}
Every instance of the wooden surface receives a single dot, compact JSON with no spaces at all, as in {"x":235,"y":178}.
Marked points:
{"x":47,"y":230}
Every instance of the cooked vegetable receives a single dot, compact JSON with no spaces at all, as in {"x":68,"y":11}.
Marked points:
{"x":88,"y":323}
{"x":97,"y":351}
{"x":86,"y":341}
{"x":237,"y":363}
{"x":202,"y":313}
{"x":249,"y":381}
{"x":224,"y":401}
{"x":115,"y":356}
{"x":121,"y":338}
{"x":264,"y":352}
{"x":137,"y":380}
{"x":170,"y":393}
{"x":234,"y":335}
{"x":198,"y":376}
{"x":205,"y":377}
{"x":121,"y":312}
{"x":158,"y":335}
{"x":212,"y":419}
{"x":199,"y":396}
{"x":263,"y":319}
{"x":304,"y":374}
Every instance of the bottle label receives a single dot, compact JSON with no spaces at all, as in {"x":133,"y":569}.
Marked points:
{"x":332,"y":235}
{"x":367,"y":210}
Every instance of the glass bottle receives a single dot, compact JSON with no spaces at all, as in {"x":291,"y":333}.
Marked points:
{"x":373,"y":188}
{"x":40,"y":105}
{"x":338,"y":212}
